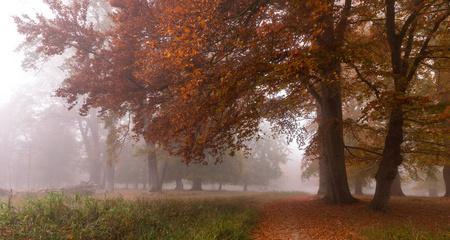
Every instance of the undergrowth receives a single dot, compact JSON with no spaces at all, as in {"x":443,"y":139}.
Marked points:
{"x":60,"y":217}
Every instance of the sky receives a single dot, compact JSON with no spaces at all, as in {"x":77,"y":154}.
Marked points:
{"x":13,"y":76}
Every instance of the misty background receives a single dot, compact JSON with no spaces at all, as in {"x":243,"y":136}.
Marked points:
{"x":43,"y":145}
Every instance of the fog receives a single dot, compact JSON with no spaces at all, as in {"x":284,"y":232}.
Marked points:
{"x":45,"y":146}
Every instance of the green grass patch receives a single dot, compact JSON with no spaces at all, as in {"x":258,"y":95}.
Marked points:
{"x":59,"y":217}
{"x":405,"y":232}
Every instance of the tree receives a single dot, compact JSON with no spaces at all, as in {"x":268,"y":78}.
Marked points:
{"x":263,"y":162}
{"x":409,"y":47}
{"x":254,"y":56}
{"x":443,"y":72}
{"x":89,"y":128}
{"x":158,"y":63}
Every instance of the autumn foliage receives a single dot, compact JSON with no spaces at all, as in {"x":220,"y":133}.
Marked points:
{"x":199,"y":77}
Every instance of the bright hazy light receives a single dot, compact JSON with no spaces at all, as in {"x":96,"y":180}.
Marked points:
{"x":13,"y":76}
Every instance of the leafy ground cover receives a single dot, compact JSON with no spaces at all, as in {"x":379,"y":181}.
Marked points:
{"x":405,"y":232}
{"x":305,"y":218}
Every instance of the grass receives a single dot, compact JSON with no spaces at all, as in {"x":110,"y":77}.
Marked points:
{"x":60,"y":217}
{"x":404,"y":232}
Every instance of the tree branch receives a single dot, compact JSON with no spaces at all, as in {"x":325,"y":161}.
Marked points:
{"x":423,"y":50}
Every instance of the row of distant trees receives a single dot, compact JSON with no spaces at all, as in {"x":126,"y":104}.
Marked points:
{"x":45,"y":146}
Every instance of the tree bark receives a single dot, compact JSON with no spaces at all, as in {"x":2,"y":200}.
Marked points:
{"x":322,"y":164}
{"x":444,"y":95}
{"x":392,"y":158}
{"x":446,"y":173}
{"x":220,"y":187}
{"x":329,"y":100}
{"x":396,"y":188}
{"x":153,"y":175}
{"x":196,"y":184}
{"x":245,"y":187}
{"x":331,"y":138}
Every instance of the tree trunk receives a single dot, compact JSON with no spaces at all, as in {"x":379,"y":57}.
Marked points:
{"x":331,"y":138}
{"x":197,"y":184}
{"x":446,"y":173}
{"x":358,"y":186}
{"x":179,"y":184}
{"x":322,"y":182}
{"x":245,"y":187}
{"x":91,"y":143}
{"x":109,"y":177}
{"x":220,"y":187}
{"x":329,"y":100}
{"x":392,"y":158}
{"x":322,"y":164}
{"x":396,"y":188}
{"x":162,"y":178}
{"x":153,"y":171}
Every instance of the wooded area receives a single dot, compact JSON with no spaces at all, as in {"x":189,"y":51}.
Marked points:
{"x":153,"y":95}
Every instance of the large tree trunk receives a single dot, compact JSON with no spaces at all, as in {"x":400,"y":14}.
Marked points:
{"x":396,"y":188}
{"x":196,"y":184}
{"x":388,"y":169}
{"x":446,"y":173}
{"x":332,"y":143}
{"x":443,"y":80}
{"x":322,"y":180}
{"x":153,"y":175}
{"x":322,"y":164}
{"x":329,"y":99}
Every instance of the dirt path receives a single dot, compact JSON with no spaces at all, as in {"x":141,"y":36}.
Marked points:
{"x":306,"y":218}
{"x":280,"y":221}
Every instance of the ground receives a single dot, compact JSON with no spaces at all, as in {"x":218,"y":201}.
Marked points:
{"x":230,"y":215}
{"x":305,"y":217}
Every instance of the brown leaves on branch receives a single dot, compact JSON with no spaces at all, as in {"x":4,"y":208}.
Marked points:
{"x":199,"y":77}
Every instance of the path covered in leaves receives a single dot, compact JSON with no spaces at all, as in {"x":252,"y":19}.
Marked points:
{"x":305,"y":218}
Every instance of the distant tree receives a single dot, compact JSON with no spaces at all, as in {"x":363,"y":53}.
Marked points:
{"x":131,"y":167}
{"x":263,"y":162}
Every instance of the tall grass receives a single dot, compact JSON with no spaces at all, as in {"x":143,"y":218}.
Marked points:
{"x":58,"y":217}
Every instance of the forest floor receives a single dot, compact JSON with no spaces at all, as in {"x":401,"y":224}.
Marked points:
{"x":219,"y":215}
{"x":306,"y":217}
